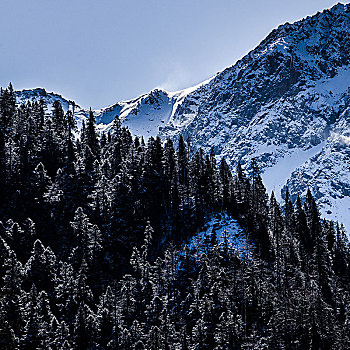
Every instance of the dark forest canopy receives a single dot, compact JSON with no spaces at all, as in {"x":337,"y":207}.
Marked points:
{"x":93,"y":247}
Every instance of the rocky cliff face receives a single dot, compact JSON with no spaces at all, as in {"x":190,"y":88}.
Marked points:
{"x":285,"y":103}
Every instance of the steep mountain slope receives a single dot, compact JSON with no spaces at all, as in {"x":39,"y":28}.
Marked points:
{"x":285,"y":103}
{"x":147,"y":114}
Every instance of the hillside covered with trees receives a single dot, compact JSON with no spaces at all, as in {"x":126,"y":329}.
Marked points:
{"x":93,"y":254}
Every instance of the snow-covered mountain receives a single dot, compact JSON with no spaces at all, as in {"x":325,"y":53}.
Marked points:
{"x":285,"y":103}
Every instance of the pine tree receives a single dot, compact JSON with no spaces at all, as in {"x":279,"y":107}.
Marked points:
{"x":182,"y":162}
{"x":226,"y":194}
{"x":40,"y":268}
{"x":32,"y":339}
{"x":258,"y":213}
{"x":60,"y":123}
{"x":91,"y":136}
{"x":83,"y":328}
{"x":65,"y":293}
{"x":241,"y":192}
{"x":313,"y":220}
{"x":87,"y":238}
{"x":11,"y":301}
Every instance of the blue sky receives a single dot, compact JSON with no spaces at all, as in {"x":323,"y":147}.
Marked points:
{"x":103,"y":51}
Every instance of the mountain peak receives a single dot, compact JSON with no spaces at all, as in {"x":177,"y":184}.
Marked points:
{"x":339,"y":8}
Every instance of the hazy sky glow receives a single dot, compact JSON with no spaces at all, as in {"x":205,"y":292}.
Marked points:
{"x":103,"y":51}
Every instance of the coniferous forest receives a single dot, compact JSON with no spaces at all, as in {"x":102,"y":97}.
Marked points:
{"x":93,"y":233}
